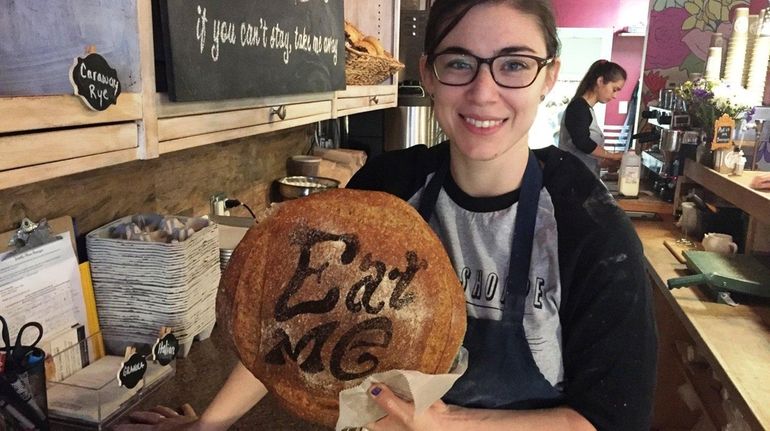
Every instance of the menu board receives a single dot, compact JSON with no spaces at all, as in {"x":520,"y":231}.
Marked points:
{"x":216,"y":50}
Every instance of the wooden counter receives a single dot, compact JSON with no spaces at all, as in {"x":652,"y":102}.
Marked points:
{"x":735,"y":341}
{"x":645,"y":202}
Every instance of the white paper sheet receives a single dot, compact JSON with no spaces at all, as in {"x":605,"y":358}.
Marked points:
{"x":42,"y":285}
{"x":357,"y":408}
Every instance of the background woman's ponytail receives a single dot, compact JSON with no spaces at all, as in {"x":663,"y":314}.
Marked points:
{"x":607,"y":70}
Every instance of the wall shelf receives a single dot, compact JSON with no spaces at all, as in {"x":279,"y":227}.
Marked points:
{"x":733,"y":189}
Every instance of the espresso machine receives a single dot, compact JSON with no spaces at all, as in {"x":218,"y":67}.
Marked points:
{"x":664,"y":160}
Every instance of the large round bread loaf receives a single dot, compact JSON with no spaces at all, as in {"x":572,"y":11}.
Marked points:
{"x":337,"y":286}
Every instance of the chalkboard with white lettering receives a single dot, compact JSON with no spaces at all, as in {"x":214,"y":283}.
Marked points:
{"x":165,"y":349}
{"x":216,"y":50}
{"x":132,"y":370}
{"x":95,"y":82}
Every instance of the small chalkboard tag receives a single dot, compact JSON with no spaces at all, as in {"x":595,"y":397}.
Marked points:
{"x":132,"y":369}
{"x":165,"y":349}
{"x":95,"y":82}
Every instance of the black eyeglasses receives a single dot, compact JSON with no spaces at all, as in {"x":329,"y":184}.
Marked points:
{"x":508,"y":70}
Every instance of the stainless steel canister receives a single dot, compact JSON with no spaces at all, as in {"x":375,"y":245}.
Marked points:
{"x":412,"y":122}
{"x":670,"y":140}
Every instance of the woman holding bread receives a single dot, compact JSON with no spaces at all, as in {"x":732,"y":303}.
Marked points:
{"x":567,"y":341}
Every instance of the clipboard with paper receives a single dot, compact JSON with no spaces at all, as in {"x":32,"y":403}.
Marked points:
{"x":46,"y":283}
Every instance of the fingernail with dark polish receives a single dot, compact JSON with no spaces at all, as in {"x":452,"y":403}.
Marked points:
{"x":376,"y":390}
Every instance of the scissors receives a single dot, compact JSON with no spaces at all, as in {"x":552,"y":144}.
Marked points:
{"x":16,"y":351}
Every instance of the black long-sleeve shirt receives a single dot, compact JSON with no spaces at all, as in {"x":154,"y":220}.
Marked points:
{"x":577,"y":120}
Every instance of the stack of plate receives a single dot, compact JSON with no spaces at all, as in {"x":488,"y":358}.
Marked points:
{"x":224,"y":257}
{"x":143,"y":286}
{"x":229,"y":237}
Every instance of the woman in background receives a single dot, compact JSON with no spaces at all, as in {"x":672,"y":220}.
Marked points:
{"x":580,"y":133}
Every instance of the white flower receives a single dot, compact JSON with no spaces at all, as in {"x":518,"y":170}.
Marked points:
{"x":731,"y":99}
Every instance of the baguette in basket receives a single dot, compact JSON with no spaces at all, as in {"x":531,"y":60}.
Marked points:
{"x":367,"y":62}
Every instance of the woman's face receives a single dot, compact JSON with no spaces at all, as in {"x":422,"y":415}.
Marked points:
{"x":483,"y":120}
{"x":608,"y":91}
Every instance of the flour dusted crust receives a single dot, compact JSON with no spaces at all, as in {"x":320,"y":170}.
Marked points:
{"x":336,"y":286}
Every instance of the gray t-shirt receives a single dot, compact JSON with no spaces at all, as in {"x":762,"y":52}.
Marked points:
{"x":481,"y":260}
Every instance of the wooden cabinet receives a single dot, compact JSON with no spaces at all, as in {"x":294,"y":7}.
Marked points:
{"x":44,"y":137}
{"x":712,"y":356}
{"x":357,"y":99}
{"x":46,"y":132}
{"x":188,"y":125}
{"x":721,"y":355}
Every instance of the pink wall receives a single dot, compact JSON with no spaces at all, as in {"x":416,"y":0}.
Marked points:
{"x":594,"y":13}
{"x":626,"y":51}
{"x":586,"y":14}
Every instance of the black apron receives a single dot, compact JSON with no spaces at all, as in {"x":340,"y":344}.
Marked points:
{"x":502,"y":374}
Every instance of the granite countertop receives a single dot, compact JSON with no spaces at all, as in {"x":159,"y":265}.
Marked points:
{"x":202,"y":373}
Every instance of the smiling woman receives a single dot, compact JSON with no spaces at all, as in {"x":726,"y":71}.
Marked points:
{"x":515,"y":232}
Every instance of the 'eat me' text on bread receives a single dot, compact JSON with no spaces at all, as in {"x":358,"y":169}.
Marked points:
{"x":337,"y":286}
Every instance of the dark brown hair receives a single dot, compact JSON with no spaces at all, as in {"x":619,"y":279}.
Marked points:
{"x":445,"y":14}
{"x":607,"y":70}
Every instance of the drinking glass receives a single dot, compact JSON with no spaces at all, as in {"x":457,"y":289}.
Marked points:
{"x":687,"y":222}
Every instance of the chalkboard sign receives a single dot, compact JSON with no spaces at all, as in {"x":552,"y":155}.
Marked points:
{"x":132,"y":370}
{"x":165,"y":349}
{"x":40,"y":39}
{"x":231,"y":49}
{"x":723,"y":132}
{"x":95,"y":82}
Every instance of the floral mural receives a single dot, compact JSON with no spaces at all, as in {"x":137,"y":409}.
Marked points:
{"x":679,"y":36}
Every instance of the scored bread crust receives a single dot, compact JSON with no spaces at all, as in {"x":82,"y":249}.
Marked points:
{"x":426,"y":332}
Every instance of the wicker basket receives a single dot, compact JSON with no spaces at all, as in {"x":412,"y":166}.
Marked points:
{"x":368,"y":69}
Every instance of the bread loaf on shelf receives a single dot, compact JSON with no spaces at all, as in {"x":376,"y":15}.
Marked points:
{"x":336,"y":286}
{"x":361,"y":42}
{"x":352,"y":33}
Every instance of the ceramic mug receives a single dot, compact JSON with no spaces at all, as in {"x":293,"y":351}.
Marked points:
{"x":719,"y":243}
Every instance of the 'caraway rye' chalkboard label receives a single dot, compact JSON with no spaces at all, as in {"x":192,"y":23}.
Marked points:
{"x":95,"y":82}
{"x":251,"y":48}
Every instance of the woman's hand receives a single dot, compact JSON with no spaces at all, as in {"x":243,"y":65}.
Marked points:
{"x":401,"y":413}
{"x":161,"y":418}
{"x":611,"y":163}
